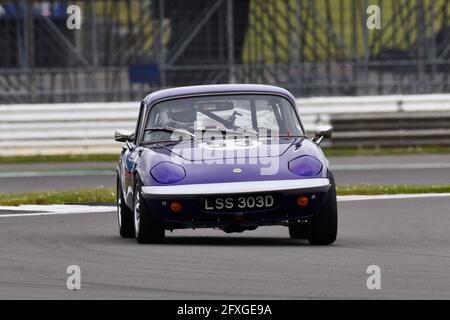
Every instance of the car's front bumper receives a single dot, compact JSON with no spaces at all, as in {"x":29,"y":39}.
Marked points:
{"x":193,"y":214}
{"x":204,"y":189}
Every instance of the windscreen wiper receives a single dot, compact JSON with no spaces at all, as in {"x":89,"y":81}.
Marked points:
{"x":237,"y":130}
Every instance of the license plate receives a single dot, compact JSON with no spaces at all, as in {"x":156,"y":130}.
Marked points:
{"x":239,"y":203}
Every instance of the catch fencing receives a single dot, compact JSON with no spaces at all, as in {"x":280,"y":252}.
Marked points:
{"x":127,"y":48}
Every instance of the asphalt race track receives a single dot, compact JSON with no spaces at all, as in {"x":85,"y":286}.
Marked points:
{"x":12,"y":185}
{"x":421,"y":169}
{"x":411,"y":169}
{"x":55,"y":176}
{"x":407,"y":238}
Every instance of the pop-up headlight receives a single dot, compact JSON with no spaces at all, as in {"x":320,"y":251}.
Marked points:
{"x":305,"y":166}
{"x":167,"y":172}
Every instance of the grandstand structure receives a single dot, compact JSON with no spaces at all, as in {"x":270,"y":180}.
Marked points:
{"x":127,"y":48}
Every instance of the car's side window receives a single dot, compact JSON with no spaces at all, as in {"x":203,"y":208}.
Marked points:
{"x":138,"y":131}
{"x":266,"y":115}
{"x":290,"y":115}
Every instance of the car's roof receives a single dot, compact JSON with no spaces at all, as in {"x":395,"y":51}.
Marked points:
{"x":215,"y":89}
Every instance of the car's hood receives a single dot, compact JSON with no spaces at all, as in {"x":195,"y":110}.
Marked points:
{"x":201,"y":150}
{"x":245,"y":167}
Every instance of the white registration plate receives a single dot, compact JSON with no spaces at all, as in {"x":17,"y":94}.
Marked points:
{"x":237,"y":203}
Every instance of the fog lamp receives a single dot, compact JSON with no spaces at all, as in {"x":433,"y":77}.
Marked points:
{"x":302,"y":201}
{"x":175,"y":206}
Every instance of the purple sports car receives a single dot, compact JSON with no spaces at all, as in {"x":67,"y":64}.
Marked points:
{"x":232,"y":157}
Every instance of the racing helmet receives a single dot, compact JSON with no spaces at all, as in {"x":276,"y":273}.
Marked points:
{"x":182,"y":115}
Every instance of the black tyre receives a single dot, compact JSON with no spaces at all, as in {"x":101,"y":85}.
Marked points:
{"x":124,"y":215}
{"x":323,"y":229}
{"x":147,"y":229}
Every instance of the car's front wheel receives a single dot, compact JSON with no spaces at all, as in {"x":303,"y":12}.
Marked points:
{"x":324,"y":223}
{"x":147,"y":228}
{"x":124,"y":215}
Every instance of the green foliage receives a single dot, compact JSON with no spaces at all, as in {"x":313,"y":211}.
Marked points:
{"x":78,"y":196}
{"x":60,"y":158}
{"x":391,"y":189}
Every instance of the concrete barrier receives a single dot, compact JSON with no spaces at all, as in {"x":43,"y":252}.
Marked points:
{"x":32,"y":129}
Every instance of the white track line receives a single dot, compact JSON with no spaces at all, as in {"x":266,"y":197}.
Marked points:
{"x":390,"y":166}
{"x":44,"y":174}
{"x":46,"y":210}
{"x":390,"y":196}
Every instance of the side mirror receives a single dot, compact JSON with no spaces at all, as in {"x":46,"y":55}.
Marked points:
{"x":322,"y":132}
{"x":123,"y":136}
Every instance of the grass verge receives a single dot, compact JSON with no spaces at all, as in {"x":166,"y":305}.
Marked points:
{"x":385,"y":151}
{"x":60,"y":158}
{"x":345,"y":190}
{"x":78,"y":196}
{"x":107,"y":195}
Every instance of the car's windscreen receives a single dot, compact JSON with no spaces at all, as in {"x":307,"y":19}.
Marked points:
{"x":231,"y":115}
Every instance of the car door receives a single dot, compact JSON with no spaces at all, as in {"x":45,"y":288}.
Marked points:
{"x":130,"y":161}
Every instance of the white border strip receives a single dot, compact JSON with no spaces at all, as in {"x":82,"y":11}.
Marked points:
{"x":391,"y":196}
{"x":62,"y":173}
{"x":47,"y":210}
{"x":236,"y":187}
{"x":390,"y":166}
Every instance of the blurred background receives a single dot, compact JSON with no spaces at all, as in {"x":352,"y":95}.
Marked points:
{"x":128,"y":48}
{"x":386,"y":93}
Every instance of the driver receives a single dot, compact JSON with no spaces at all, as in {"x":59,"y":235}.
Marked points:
{"x":182,"y":117}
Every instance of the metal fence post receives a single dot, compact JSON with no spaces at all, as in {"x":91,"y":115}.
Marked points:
{"x":94,"y":51}
{"x":162,"y":53}
{"x":230,"y":41}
